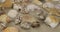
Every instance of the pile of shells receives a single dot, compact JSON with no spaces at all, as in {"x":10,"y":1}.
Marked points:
{"x":28,"y":14}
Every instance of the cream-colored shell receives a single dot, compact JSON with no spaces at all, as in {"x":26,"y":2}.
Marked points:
{"x":7,"y":3}
{"x":52,"y":21}
{"x":12,"y":13}
{"x":4,"y":18}
{"x":28,"y":18}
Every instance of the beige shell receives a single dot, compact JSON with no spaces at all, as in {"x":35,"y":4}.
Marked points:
{"x":53,"y":11}
{"x":28,"y":20}
{"x":7,"y":4}
{"x":11,"y":29}
{"x":4,"y":18}
{"x":52,"y":21}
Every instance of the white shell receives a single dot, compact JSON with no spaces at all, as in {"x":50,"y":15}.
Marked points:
{"x":12,"y":13}
{"x":51,"y":23}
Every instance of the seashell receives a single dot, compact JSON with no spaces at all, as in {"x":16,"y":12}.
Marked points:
{"x":12,"y":13}
{"x":35,"y":24}
{"x":17,"y":6}
{"x":29,"y":19}
{"x":37,"y":2}
{"x":53,"y":11}
{"x":4,"y":18}
{"x":48,"y":5}
{"x":6,"y":3}
{"x":17,"y":20}
{"x":52,"y":21}
{"x":3,"y":26}
{"x":25,"y":25}
{"x":32,"y":7}
{"x":11,"y":29}
{"x":35,"y":10}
